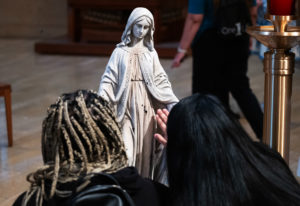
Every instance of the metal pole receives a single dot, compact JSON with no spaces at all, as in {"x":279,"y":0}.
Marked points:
{"x":279,"y":69}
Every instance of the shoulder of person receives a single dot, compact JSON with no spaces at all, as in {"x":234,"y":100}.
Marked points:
{"x":142,"y":190}
{"x":103,"y":189}
{"x":19,"y":200}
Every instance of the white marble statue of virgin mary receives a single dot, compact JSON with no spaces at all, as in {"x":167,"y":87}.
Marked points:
{"x":136,"y":84}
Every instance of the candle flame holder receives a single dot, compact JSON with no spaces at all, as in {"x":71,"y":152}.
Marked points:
{"x":279,"y":68}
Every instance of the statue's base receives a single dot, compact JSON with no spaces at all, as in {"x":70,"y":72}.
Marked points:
{"x":65,"y":46}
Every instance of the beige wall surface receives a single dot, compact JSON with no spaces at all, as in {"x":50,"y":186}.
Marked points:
{"x":33,"y":18}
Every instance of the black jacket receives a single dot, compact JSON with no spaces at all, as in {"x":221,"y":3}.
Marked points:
{"x":144,"y":192}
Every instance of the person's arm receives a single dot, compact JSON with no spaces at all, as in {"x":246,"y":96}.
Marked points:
{"x":253,"y":16}
{"x":191,"y":26}
{"x":162,"y":118}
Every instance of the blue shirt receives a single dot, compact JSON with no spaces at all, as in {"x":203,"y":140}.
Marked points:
{"x":205,"y":7}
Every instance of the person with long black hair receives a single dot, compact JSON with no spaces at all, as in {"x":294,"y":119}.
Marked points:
{"x":213,"y":162}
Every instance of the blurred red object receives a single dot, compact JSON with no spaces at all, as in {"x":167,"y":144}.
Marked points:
{"x":282,"y":7}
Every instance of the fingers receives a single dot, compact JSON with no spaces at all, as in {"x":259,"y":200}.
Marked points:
{"x":161,"y":124}
{"x":160,"y":139}
{"x":177,"y":60}
{"x":162,"y":119}
{"x":175,"y":64}
{"x":163,"y":115}
{"x":166,"y":112}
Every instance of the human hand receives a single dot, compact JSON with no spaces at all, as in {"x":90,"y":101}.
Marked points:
{"x":178,"y":59}
{"x":162,"y":118}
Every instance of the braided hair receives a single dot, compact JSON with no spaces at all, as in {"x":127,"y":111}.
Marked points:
{"x":80,"y":136}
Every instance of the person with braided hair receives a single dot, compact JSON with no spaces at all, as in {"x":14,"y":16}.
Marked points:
{"x":136,"y":84}
{"x":81,"y":141}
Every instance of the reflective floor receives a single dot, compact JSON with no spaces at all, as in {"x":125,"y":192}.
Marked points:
{"x":36,"y":82}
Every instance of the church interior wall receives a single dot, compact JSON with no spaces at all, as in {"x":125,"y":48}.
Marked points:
{"x":33,"y":18}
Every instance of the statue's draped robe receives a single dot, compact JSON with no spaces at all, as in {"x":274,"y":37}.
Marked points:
{"x":136,"y":84}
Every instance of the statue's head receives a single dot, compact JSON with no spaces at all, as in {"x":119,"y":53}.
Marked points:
{"x":140,"y":24}
{"x":141,"y":27}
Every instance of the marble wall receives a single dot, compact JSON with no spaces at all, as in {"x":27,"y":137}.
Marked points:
{"x":33,"y":18}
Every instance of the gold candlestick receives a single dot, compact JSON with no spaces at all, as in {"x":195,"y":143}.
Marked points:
{"x":279,"y":68}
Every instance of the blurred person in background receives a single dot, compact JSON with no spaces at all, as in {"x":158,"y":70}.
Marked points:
{"x":220,"y":65}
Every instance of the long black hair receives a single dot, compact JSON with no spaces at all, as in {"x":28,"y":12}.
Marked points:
{"x":213,"y":162}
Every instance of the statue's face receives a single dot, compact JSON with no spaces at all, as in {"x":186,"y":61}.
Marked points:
{"x":141,"y":28}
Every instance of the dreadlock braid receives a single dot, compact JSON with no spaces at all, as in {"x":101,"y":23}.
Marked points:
{"x":55,"y":175}
{"x":102,"y":115}
{"x":69,"y":146}
{"x":85,"y":137}
{"x":111,"y":129}
{"x":111,"y":126}
{"x":90,"y":125}
{"x":80,"y":135}
{"x":73,"y":132}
